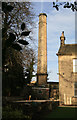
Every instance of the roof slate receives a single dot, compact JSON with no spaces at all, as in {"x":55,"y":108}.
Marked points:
{"x":68,"y":49}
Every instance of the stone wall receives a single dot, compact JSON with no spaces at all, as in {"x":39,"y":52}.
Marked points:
{"x":66,"y":79}
{"x":41,"y":93}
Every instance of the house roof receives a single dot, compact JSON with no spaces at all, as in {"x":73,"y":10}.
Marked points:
{"x":68,"y":49}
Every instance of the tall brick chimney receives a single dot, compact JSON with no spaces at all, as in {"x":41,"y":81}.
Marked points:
{"x":42,"y":50}
{"x":62,"y":38}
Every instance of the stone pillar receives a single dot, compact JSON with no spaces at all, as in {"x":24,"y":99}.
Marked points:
{"x":42,"y":50}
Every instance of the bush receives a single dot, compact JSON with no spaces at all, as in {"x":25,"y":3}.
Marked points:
{"x":8,"y":112}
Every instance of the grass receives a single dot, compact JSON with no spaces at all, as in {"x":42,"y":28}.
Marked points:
{"x":61,"y":112}
{"x":9,"y":113}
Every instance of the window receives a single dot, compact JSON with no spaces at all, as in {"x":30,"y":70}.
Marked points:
{"x":75,"y":89}
{"x":74,"y":65}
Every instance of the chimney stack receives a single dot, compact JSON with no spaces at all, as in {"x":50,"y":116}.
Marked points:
{"x":42,"y":50}
{"x":62,"y":38}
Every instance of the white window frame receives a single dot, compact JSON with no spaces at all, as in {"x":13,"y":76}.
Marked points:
{"x":75,"y":65}
{"x":75,"y":89}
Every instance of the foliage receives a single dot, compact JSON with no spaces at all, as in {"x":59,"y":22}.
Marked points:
{"x":10,"y":113}
{"x":29,"y":61}
{"x":13,"y":31}
{"x":72,"y":6}
{"x":29,"y":72}
{"x":13,"y":80}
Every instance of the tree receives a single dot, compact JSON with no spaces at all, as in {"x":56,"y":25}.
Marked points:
{"x":12,"y":19}
{"x":30,"y":70}
{"x":72,"y":6}
{"x":12,"y":36}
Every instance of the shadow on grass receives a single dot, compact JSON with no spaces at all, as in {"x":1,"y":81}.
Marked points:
{"x":61,"y":112}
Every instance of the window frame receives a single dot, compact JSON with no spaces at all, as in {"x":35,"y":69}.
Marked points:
{"x":74,"y":66}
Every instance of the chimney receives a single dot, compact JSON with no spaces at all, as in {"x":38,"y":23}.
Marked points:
{"x":42,"y":50}
{"x":62,"y":38}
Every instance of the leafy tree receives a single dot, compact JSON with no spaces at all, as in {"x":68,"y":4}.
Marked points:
{"x":12,"y":36}
{"x":72,"y":6}
{"x":12,"y":19}
{"x":29,"y":72}
{"x":29,"y":61}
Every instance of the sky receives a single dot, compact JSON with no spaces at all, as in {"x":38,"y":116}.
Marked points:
{"x":57,"y":21}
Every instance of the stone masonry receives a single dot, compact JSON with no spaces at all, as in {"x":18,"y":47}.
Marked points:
{"x":67,"y":78}
{"x":42,"y":50}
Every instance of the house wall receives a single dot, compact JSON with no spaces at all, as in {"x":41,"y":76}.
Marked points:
{"x":66,"y":79}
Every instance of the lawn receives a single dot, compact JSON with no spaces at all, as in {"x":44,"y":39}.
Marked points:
{"x":61,"y":112}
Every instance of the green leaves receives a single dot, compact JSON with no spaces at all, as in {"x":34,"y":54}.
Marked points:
{"x":12,"y":37}
{"x":72,"y":6}
{"x":26,"y":33}
{"x":23,"y":26}
{"x":10,"y":40}
{"x":6,"y":8}
{"x":11,"y":43}
{"x":24,"y":42}
{"x":53,"y":3}
{"x":17,"y":47}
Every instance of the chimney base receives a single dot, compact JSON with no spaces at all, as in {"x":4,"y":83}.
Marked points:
{"x":42,"y":78}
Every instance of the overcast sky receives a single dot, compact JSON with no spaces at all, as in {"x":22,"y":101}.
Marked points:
{"x":57,"y":21}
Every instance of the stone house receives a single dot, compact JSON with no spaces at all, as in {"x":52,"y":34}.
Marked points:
{"x":67,"y":63}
